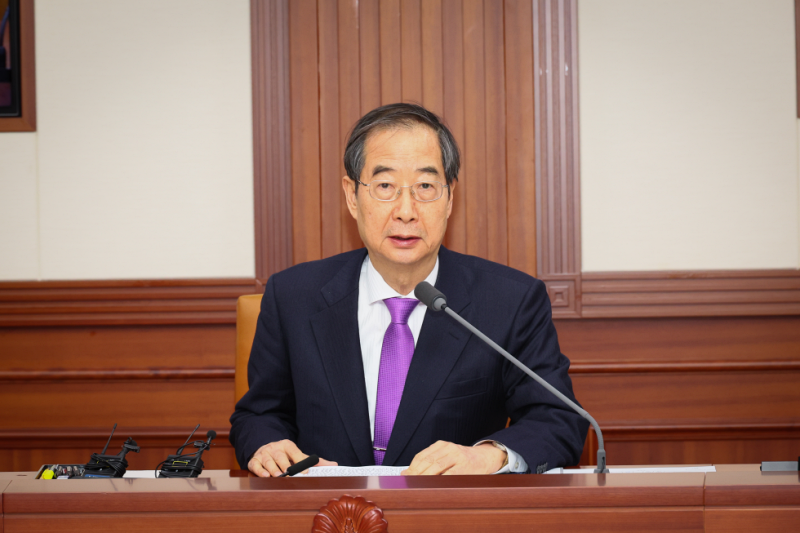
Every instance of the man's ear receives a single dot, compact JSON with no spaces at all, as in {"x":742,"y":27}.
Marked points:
{"x":450,"y":198}
{"x":349,"y":187}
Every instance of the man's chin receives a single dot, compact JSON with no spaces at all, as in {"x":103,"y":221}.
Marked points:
{"x":405,"y":256}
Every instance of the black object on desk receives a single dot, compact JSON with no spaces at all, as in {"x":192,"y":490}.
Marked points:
{"x":105,"y":466}
{"x":186,"y":465}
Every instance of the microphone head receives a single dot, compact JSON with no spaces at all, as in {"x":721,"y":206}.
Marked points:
{"x":430,"y":296}
{"x":306,"y":463}
{"x":211,"y":434}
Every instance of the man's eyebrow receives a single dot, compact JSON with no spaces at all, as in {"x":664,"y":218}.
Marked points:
{"x":428,"y":170}
{"x":380,"y":168}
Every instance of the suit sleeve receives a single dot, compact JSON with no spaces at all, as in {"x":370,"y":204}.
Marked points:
{"x":266,"y":413}
{"x":543,"y":430}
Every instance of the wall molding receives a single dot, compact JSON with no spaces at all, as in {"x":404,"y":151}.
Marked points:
{"x":181,"y":374}
{"x":711,"y":431}
{"x":121,"y":302}
{"x":51,"y":438}
{"x":691,"y":366}
{"x":690,"y":293}
{"x":558,"y":223}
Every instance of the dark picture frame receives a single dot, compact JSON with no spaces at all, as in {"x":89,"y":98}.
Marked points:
{"x":18,"y":113}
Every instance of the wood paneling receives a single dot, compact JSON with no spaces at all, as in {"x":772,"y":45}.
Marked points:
{"x":345,"y":58}
{"x":557,"y":153}
{"x":84,"y":303}
{"x":27,"y":58}
{"x":62,"y":388}
{"x":679,"y":390}
{"x":520,"y":128}
{"x":117,"y":348}
{"x":271,"y":136}
{"x":691,"y":293}
{"x":132,"y":403}
{"x":672,"y":341}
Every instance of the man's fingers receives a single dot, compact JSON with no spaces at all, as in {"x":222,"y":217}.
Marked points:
{"x":291,"y":450}
{"x":281,"y":459}
{"x":271,"y":467}
{"x":255,"y":467}
{"x":440,"y":461}
{"x":274,"y":458}
{"x":433,"y":460}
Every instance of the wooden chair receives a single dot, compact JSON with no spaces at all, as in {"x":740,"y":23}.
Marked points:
{"x":247,"y":309}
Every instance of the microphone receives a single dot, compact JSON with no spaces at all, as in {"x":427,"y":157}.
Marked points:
{"x":296,"y":468}
{"x":436,"y":301}
{"x":189,"y":464}
{"x":102,"y":465}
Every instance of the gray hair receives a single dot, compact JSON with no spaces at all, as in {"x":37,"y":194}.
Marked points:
{"x":392,"y":116}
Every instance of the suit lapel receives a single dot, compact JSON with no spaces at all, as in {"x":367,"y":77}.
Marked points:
{"x":441,"y":341}
{"x":336,"y":332}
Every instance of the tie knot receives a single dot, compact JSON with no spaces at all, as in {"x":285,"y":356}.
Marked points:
{"x":400,"y":308}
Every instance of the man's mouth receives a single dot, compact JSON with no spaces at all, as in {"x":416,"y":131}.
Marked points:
{"x":404,"y":240}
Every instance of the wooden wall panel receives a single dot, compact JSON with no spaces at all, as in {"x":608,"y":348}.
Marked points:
{"x":272,"y":193}
{"x":432,"y":56}
{"x":520,"y":145}
{"x":136,"y":403}
{"x":82,"y":303}
{"x":346,"y":58}
{"x":629,"y":343}
{"x":557,"y":152}
{"x":76,"y":367}
{"x":117,"y":349}
{"x":679,"y":390}
{"x":305,"y":130}
{"x":349,"y":108}
{"x":691,"y":293}
{"x":691,"y":398}
{"x":454,"y":113}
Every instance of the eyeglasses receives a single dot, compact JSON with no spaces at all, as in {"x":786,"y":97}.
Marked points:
{"x":388,"y":191}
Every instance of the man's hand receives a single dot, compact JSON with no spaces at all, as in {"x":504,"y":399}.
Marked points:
{"x":447,"y":458}
{"x":272,"y":460}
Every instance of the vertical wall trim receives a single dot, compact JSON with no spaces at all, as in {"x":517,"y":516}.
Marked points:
{"x":555,"y":42}
{"x":272,"y":168}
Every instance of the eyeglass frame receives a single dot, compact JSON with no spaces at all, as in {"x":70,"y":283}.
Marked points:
{"x":400,"y":190}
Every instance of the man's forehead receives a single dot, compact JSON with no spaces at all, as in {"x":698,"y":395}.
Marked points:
{"x":403,"y":141}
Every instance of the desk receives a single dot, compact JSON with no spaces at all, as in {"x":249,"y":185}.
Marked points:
{"x":573,"y":502}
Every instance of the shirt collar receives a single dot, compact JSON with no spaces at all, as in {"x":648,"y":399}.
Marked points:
{"x":378,"y":290}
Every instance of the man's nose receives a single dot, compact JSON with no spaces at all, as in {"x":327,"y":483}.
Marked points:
{"x":406,"y":209}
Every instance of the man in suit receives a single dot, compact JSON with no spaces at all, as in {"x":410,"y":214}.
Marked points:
{"x":346,"y":364}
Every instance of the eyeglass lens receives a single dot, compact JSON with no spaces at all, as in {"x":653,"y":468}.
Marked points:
{"x":424,"y":191}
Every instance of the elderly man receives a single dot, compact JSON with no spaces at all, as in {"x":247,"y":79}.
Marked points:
{"x":348,"y":365}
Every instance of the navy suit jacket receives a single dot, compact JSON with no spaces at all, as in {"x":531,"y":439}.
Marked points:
{"x":306,"y":374}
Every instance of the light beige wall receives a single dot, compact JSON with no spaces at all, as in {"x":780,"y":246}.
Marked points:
{"x":142,"y":163}
{"x":19,"y":224}
{"x":689,"y":135}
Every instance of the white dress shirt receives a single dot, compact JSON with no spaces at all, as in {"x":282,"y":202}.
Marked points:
{"x":373,"y":320}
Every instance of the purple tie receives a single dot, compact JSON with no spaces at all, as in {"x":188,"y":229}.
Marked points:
{"x":396,"y":354}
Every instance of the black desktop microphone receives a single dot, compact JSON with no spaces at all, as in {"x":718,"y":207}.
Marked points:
{"x":189,"y":464}
{"x":296,"y":468}
{"x":102,"y":465}
{"x":436,"y":301}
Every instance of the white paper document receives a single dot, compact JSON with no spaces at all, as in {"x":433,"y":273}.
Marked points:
{"x":140,"y":474}
{"x":352,"y":471}
{"x":647,"y":470}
